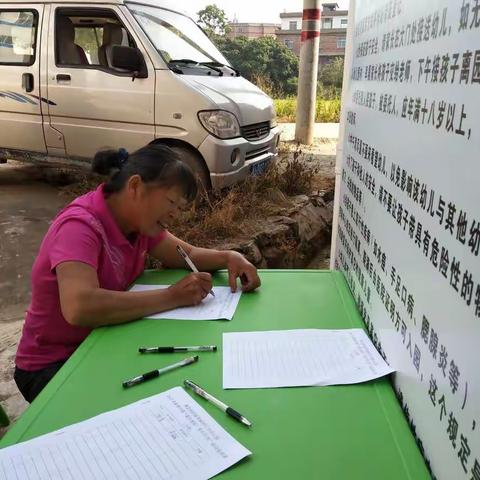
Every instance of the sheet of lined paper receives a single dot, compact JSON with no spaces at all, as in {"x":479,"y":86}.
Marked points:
{"x":290,"y":358}
{"x":167,"y":436}
{"x":221,"y":306}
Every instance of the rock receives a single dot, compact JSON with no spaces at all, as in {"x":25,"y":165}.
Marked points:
{"x":283,"y":256}
{"x":11,"y":399}
{"x":300,"y":199}
{"x":279,"y":233}
{"x":311,"y":222}
{"x":251,"y":252}
{"x":290,"y":241}
{"x":290,"y":222}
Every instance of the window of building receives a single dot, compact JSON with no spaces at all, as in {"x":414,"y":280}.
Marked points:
{"x":343,"y":22}
{"x":289,"y":44}
{"x":17,"y":37}
{"x":326,"y":23}
{"x":293,"y":26}
{"x":341,"y":42}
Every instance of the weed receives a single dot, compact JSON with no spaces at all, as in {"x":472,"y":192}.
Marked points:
{"x":239,"y":210}
{"x":327,"y":111}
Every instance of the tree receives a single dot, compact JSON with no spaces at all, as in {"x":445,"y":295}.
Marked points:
{"x":264,"y":58}
{"x":331,"y":74}
{"x":213,"y":20}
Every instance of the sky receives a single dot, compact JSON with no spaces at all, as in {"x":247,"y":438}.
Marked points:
{"x":254,"y":11}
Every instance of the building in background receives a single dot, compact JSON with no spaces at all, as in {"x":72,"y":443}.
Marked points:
{"x":333,"y":32}
{"x":252,"y":30}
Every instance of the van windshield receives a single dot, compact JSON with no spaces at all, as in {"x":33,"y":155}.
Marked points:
{"x":175,"y":36}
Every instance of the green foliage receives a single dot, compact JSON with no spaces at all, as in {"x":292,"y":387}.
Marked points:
{"x":331,"y":74}
{"x":213,"y":20}
{"x":328,"y":92}
{"x":263,"y":58}
{"x":327,"y":111}
{"x":90,"y":40}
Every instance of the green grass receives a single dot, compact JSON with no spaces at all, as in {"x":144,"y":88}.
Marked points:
{"x":327,"y":111}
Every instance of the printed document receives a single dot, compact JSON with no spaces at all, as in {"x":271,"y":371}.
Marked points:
{"x":166,"y":436}
{"x":291,"y":358}
{"x":222,"y":306}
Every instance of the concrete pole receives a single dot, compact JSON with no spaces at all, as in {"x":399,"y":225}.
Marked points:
{"x":307,"y":79}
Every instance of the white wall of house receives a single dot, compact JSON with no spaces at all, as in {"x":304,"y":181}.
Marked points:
{"x":286,"y":22}
{"x":335,"y":22}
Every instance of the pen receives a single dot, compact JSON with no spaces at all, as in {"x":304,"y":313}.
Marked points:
{"x":210,"y":398}
{"x":189,"y":262}
{"x":156,"y":373}
{"x":197,"y":348}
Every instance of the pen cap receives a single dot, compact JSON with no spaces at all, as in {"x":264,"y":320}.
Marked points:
{"x":190,"y":384}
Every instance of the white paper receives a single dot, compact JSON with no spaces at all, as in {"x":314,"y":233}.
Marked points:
{"x":166,"y":436}
{"x":222,"y":306}
{"x":291,"y":358}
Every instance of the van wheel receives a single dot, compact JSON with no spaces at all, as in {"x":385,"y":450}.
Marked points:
{"x":199,"y":170}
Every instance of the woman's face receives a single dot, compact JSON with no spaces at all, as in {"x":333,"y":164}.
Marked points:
{"x":154,"y":207}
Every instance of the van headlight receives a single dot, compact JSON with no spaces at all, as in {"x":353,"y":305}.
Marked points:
{"x":273,"y":122}
{"x":220,"y":123}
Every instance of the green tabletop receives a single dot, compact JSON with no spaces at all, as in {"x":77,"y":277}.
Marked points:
{"x":338,"y":432}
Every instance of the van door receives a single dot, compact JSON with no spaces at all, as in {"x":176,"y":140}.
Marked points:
{"x":21,"y":101}
{"x":91,"y":103}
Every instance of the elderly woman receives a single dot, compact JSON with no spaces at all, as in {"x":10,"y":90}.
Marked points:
{"x":96,"y":247}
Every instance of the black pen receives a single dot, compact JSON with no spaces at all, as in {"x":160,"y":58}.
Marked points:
{"x":194,"y":348}
{"x":156,"y":373}
{"x":222,"y":406}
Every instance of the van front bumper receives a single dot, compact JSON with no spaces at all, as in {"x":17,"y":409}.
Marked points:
{"x":230,"y":161}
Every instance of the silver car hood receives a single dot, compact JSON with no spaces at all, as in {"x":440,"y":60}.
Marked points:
{"x":235,"y":94}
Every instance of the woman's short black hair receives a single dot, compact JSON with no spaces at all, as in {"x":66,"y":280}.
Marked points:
{"x":157,"y":164}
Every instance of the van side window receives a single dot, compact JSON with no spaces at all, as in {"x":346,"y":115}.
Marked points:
{"x":85,"y":38}
{"x":18,"y":33}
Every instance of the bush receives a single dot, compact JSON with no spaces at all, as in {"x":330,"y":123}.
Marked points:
{"x":327,"y":111}
{"x":240,"y":209}
{"x":331,"y":74}
{"x":265,"y":83}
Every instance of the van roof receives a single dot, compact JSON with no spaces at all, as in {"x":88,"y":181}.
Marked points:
{"x":167,"y":4}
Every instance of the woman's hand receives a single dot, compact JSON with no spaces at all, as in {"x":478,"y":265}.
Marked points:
{"x":239,"y":267}
{"x":191,"y":290}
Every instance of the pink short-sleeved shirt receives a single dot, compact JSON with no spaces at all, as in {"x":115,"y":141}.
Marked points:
{"x":86,"y":232}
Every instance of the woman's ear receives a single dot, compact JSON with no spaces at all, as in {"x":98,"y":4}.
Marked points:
{"x":135,"y":187}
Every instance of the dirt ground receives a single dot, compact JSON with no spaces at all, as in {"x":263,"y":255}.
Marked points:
{"x":29,"y":199}
{"x":26,"y":207}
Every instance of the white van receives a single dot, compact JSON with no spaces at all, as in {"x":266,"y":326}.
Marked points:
{"x":78,"y":77}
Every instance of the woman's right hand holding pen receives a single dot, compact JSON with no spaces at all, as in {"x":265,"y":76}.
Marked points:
{"x":191,"y":290}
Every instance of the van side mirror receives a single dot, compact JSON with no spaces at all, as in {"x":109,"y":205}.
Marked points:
{"x":129,"y":59}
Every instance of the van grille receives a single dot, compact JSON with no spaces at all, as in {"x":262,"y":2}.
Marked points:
{"x":256,"y":153}
{"x":256,"y":131}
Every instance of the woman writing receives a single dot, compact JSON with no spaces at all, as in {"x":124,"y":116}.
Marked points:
{"x":96,"y":247}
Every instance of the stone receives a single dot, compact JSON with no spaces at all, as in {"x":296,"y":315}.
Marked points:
{"x":251,"y":252}
{"x":311,"y":222}
{"x":276,"y":234}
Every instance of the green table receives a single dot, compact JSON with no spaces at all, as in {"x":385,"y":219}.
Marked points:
{"x":340,"y":432}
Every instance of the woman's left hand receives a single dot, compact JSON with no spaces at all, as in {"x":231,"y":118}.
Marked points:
{"x":239,"y":267}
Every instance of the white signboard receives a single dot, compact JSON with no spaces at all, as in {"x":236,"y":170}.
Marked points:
{"x":408,"y":235}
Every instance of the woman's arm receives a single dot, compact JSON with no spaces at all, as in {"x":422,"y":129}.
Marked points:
{"x":85,"y":304}
{"x":206,"y":259}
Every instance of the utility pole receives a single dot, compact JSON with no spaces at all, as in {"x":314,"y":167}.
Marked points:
{"x":307,"y":79}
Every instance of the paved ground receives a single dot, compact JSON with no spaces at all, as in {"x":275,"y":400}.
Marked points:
{"x":27,"y":204}
{"x":321,"y":131}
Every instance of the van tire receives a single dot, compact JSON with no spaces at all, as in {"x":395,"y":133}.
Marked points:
{"x":199,"y":170}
